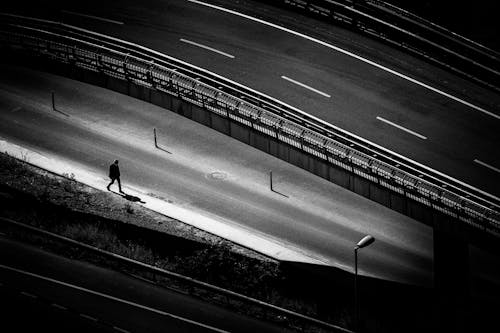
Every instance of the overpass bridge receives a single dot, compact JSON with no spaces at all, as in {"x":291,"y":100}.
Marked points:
{"x":459,"y":212}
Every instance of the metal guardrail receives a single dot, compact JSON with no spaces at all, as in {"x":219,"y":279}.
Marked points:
{"x":415,"y":35}
{"x":125,"y":61}
{"x":178,"y":277}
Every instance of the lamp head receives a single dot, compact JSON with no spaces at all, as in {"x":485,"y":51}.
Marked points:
{"x":367,"y":240}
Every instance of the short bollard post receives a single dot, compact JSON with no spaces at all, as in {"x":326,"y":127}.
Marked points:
{"x":53,"y":102}
{"x":156,"y":142}
{"x":271,"y":185}
{"x":271,"y":180}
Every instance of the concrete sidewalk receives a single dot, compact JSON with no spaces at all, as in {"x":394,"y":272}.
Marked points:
{"x":210,"y":181}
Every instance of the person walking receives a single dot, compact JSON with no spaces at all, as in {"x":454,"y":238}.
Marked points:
{"x":114,"y":174}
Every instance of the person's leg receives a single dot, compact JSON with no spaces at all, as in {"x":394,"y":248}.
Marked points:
{"x":119,"y":184}
{"x":111,"y":183}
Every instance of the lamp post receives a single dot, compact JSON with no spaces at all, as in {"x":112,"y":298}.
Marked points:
{"x":364,"y":242}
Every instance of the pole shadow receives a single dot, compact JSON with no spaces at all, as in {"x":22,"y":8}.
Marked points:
{"x":162,"y":149}
{"x":286,"y":196}
{"x":59,"y":111}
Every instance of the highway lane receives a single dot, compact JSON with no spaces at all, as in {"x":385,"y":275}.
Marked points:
{"x":455,"y":134}
{"x":319,"y":218}
{"x":17,"y":307}
{"x":77,"y":296}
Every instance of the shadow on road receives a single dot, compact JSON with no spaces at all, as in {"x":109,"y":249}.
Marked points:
{"x":132,"y":198}
{"x":129,"y":197}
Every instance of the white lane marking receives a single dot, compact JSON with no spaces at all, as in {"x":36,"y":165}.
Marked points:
{"x":83,"y":315}
{"x":234,"y":83}
{"x":140,"y":306}
{"x":142,"y":279}
{"x":120,"y":329}
{"x":487,"y":165}
{"x":92,"y":17}
{"x":207,"y":48}
{"x":336,"y":48}
{"x":59,"y":306}
{"x":28,"y":294}
{"x":305,"y":86}
{"x":402,"y":128}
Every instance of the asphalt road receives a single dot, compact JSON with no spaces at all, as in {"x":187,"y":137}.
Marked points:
{"x":41,"y":291}
{"x":209,"y":173}
{"x":445,"y":134}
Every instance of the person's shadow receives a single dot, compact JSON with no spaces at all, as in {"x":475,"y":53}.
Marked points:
{"x":129,"y":197}
{"x":132,"y":198}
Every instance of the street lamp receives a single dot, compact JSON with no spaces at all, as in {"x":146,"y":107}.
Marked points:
{"x":364,"y":242}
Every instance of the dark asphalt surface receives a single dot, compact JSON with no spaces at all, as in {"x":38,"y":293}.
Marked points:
{"x":45,"y":292}
{"x":481,"y":19}
{"x":456,"y":134}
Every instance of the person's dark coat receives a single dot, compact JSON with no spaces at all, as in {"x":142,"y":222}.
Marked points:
{"x":114,"y":171}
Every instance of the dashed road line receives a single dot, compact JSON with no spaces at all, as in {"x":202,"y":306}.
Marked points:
{"x":83,"y":315}
{"x":120,"y":329}
{"x":28,"y":294}
{"x":59,"y":306}
{"x":113,"y":298}
{"x":92,"y":17}
{"x":207,"y":48}
{"x":353,"y":55}
{"x":402,"y":128}
{"x":305,"y":86}
{"x":487,"y":165}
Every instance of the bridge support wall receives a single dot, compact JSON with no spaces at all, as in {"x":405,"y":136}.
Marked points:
{"x":451,"y":282}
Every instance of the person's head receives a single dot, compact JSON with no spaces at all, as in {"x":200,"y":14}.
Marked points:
{"x":115,"y":162}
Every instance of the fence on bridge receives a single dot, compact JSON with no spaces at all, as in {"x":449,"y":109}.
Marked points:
{"x":253,"y":118}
